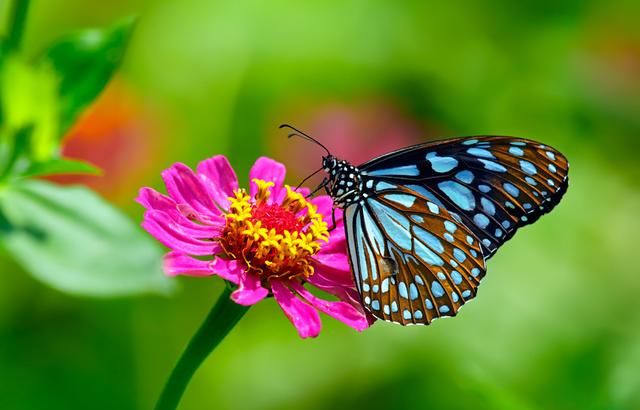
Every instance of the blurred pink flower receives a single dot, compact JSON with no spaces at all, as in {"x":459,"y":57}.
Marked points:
{"x":271,"y":241}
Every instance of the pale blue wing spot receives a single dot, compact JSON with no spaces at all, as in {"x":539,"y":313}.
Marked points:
{"x":509,"y":204}
{"x":465,"y":176}
{"x":402,"y":290}
{"x":417,"y":218}
{"x":459,"y":194}
{"x":444,"y":309}
{"x":518,"y":143}
{"x":469,"y":142}
{"x":375,"y":305}
{"x":375,"y":288}
{"x":552,"y":168}
{"x":405,"y":170}
{"x":466,"y":294}
{"x":479,"y":152}
{"x":433,"y":208}
{"x":429,"y":239}
{"x":426,"y":194}
{"x":473,"y":253}
{"x":455,"y":217}
{"x":405,"y":200}
{"x":481,"y":220}
{"x":418,"y":280}
{"x":498,"y":233}
{"x":456,"y":277}
{"x":396,"y":225}
{"x":524,"y":218}
{"x":417,"y":314}
{"x":492,"y":166}
{"x":413,"y":291}
{"x":550,"y":182}
{"x":394,"y":306}
{"x":376,"y":238}
{"x":381,"y":186}
{"x":449,"y":237}
{"x":486,"y":243}
{"x":365,"y":287}
{"x":367,"y":300}
{"x":441,"y":164}
{"x":551,"y":155}
{"x":511,"y":189}
{"x":487,"y":206}
{"x":386,"y":310}
{"x":484,"y":188}
{"x":530,"y":181}
{"x":450,"y":226}
{"x":453,"y":263}
{"x":459,"y":255}
{"x":527,"y":205}
{"x":384,"y":286}
{"x":428,"y":304}
{"x":469,"y":240}
{"x":436,"y":289}
{"x":426,"y":254}
{"x":441,"y":276}
{"x":454,"y":297}
{"x":516,"y":151}
{"x":506,"y":224}
{"x":406,"y":314}
{"x":527,"y":167}
{"x":475,"y":272}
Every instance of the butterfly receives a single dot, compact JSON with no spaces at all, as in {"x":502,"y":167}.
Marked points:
{"x":422,"y":221}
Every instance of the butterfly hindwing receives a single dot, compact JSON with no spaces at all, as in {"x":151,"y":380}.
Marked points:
{"x":493,"y":185}
{"x":412,"y":260}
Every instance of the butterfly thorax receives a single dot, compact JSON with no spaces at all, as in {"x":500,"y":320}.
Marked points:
{"x":345,"y":183}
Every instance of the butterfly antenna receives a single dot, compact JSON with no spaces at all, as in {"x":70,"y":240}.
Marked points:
{"x":307,"y":178}
{"x":301,"y":134}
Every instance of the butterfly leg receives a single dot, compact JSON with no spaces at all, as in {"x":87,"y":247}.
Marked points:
{"x":323,"y":184}
{"x":334,"y":224}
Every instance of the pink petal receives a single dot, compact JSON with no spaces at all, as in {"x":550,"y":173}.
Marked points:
{"x":342,"y":311}
{"x":267,"y":170}
{"x":250,"y":290}
{"x":176,"y":263}
{"x":219,"y":178}
{"x":185,"y":188}
{"x":230,"y":270}
{"x":304,"y":317}
{"x":170,"y":234}
{"x":325,"y":207}
{"x":342,"y":278}
{"x":336,"y":261}
{"x":152,"y":199}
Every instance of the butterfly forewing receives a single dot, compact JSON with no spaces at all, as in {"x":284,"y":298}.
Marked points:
{"x":412,"y":260}
{"x":493,"y":185}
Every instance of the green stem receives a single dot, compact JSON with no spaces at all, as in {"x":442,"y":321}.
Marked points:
{"x":17,"y":20}
{"x":223,"y":317}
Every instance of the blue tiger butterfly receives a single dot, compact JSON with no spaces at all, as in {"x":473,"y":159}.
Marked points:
{"x":422,"y":221}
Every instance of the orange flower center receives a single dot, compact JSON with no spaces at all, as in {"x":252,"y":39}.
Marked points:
{"x":274,"y":240}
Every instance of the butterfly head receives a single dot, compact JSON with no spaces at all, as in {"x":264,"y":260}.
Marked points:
{"x":344,"y":181}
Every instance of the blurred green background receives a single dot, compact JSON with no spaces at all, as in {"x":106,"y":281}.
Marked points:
{"x":557,"y":321}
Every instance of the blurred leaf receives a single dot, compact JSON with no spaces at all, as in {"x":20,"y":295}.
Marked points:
{"x":85,"y":63}
{"x":71,"y":239}
{"x":29,"y":95}
{"x":60,"y":166}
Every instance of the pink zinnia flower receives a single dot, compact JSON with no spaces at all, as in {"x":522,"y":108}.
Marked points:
{"x":272,"y":241}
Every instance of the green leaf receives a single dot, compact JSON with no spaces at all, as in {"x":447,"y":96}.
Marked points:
{"x":85,"y":62}
{"x":60,"y":166}
{"x":72,"y":240}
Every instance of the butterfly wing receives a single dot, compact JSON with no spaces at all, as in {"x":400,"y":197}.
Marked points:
{"x":493,"y":185}
{"x":413,"y":262}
